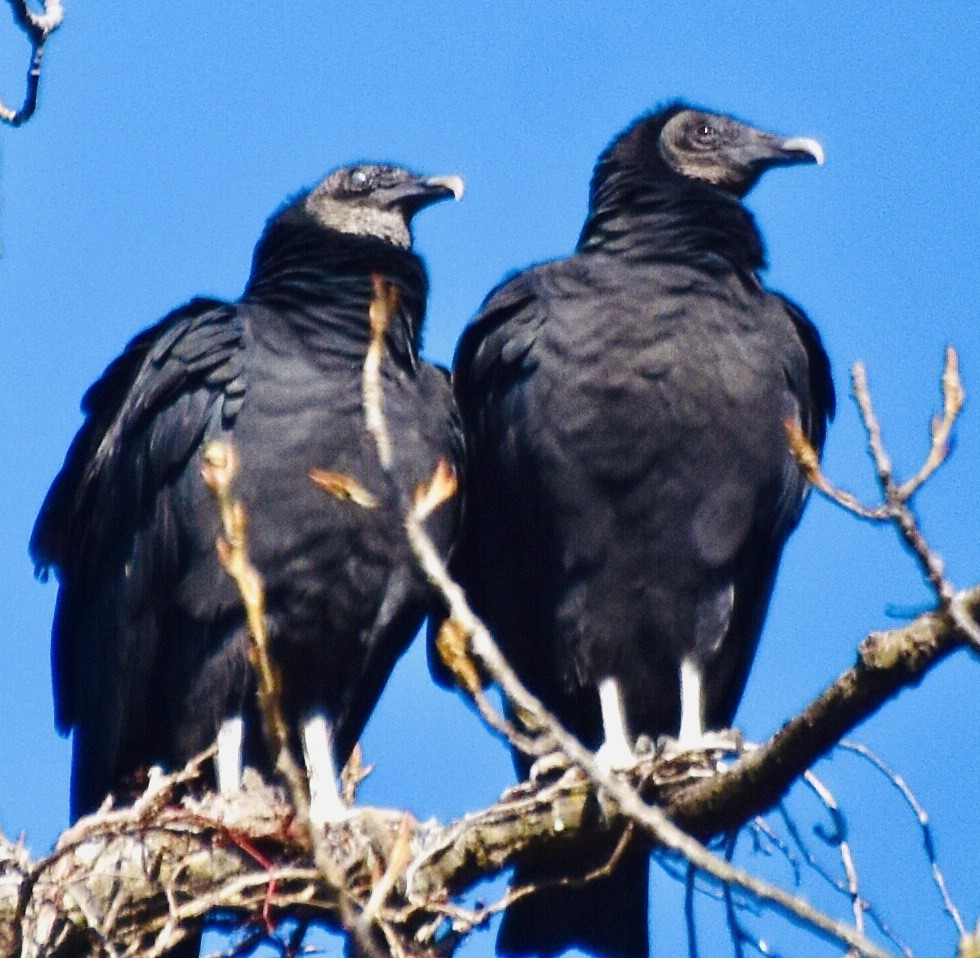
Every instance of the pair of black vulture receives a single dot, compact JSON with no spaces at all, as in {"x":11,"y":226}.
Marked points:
{"x":626,"y":485}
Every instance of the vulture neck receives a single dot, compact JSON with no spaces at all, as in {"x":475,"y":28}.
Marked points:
{"x":673,"y":220}
{"x":320,"y":281}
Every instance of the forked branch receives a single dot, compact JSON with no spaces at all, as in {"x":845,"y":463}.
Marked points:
{"x":895,"y":507}
{"x":38,"y":27}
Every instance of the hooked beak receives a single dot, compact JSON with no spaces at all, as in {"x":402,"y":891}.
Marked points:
{"x":452,"y":183}
{"x":419,"y":192}
{"x":803,"y":150}
{"x":764,"y":151}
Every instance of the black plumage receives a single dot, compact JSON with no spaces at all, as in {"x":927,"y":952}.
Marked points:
{"x":149,"y":637}
{"x":631,"y":484}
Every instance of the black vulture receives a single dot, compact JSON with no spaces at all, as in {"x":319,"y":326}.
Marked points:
{"x":630,"y":482}
{"x":149,"y":642}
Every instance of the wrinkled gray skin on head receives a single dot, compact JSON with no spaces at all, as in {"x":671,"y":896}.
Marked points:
{"x":729,"y":154}
{"x":377,"y":200}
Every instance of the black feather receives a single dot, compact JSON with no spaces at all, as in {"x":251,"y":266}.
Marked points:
{"x":149,"y":638}
{"x":631,"y":484}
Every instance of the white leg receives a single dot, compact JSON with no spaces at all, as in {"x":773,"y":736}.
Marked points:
{"x":154,"y":780}
{"x":228,"y":762}
{"x":326,"y":805}
{"x":615,"y":751}
{"x":692,"y":716}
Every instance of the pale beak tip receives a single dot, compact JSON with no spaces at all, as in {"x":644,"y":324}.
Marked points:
{"x":803,"y":144}
{"x":453,"y":183}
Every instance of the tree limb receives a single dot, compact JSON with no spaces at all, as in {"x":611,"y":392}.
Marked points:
{"x":888,"y":662}
{"x":38,"y":27}
{"x":122,"y":876}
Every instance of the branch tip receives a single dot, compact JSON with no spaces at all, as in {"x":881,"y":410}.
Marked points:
{"x":453,"y":645}
{"x":344,"y":487}
{"x":38,"y":27}
{"x":439,"y":489}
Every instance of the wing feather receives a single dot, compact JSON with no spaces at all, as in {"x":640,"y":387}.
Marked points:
{"x":107,"y":525}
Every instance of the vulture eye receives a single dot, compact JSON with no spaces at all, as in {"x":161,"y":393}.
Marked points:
{"x":705,"y":131}
{"x":358,"y":179}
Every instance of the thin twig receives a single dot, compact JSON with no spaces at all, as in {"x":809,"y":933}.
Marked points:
{"x":397,"y":863}
{"x":942,"y":426}
{"x":761,"y":827}
{"x":383,"y":305}
{"x":838,"y":885}
{"x":876,"y":446}
{"x":839,"y":838}
{"x":809,"y":462}
{"x":218,"y":470}
{"x":219,"y":465}
{"x":690,"y":919}
{"x":38,"y":27}
{"x":740,"y":936}
{"x":922,"y":817}
{"x":896,"y":508}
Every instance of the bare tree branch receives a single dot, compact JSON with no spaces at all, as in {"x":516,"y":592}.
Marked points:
{"x":38,"y":27}
{"x":922,"y":817}
{"x":942,"y":426}
{"x":218,"y":467}
{"x":896,"y":508}
{"x":895,"y":504}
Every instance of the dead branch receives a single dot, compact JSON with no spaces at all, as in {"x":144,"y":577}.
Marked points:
{"x":130,"y":878}
{"x":38,"y":27}
{"x":896,"y":507}
{"x":838,"y":838}
{"x":922,"y":817}
{"x":942,"y":426}
{"x":218,"y":467}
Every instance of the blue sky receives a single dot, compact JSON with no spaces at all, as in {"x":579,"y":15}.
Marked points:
{"x":167,"y":133}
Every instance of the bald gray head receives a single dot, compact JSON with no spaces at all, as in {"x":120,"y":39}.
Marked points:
{"x":376,"y":200}
{"x":727,"y":153}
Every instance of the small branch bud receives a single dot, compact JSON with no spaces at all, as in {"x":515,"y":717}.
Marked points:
{"x":344,"y":487}
{"x":441,"y":488}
